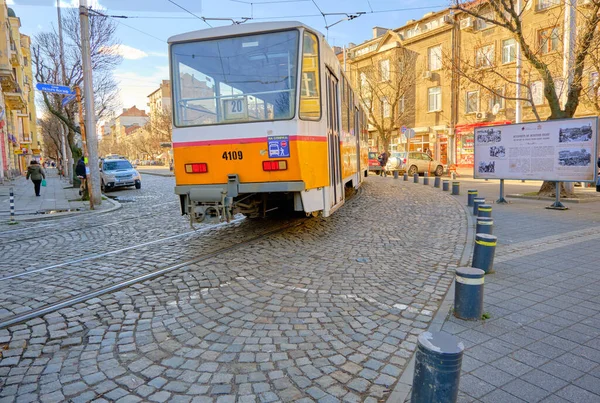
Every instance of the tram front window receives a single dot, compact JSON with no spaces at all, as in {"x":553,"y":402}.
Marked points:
{"x":238,"y":79}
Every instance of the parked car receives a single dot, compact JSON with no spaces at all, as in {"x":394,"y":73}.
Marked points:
{"x":118,"y":173}
{"x":374,"y":163}
{"x":414,"y":162}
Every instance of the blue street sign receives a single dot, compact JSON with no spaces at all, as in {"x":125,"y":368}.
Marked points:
{"x":403,"y":129}
{"x":67,"y":99}
{"x":54,"y":88}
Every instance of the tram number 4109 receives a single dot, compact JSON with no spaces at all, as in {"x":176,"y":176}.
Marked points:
{"x":232,"y":155}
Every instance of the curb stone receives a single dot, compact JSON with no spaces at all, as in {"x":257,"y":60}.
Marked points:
{"x":401,"y":392}
{"x":115,"y":206}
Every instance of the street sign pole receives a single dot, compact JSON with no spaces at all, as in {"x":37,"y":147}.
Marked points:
{"x":84,"y":143}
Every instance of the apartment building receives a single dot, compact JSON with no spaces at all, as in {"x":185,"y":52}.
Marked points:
{"x":128,"y":118}
{"x":160,"y":99}
{"x":18,"y":129}
{"x":466,"y":68}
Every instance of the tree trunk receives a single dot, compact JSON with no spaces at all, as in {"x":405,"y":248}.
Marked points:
{"x":548,"y":189}
{"x":69,"y":167}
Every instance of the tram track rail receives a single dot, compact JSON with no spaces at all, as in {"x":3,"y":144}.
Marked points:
{"x":68,"y":220}
{"x":105,"y":289}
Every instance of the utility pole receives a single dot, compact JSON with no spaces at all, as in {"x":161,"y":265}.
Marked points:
{"x":90,"y":110}
{"x":570,"y":32}
{"x":518,"y":71}
{"x":64,"y":79}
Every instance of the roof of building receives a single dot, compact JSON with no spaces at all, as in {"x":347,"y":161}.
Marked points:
{"x":11,"y":12}
{"x":133,"y":111}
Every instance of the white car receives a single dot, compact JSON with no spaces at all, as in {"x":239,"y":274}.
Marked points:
{"x":116,"y":173}
{"x":415,"y":162}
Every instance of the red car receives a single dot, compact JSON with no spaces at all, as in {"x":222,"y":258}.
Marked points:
{"x":374,"y":163}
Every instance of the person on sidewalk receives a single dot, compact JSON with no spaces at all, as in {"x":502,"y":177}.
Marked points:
{"x":37,"y":174}
{"x":383,"y":160}
{"x":81,"y":174}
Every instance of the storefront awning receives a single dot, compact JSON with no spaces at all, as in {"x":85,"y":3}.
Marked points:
{"x":469,"y":127}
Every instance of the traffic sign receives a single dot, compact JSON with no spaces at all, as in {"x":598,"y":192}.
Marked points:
{"x":67,"y":99}
{"x":403,"y":129}
{"x":410,"y":133}
{"x":54,"y":88}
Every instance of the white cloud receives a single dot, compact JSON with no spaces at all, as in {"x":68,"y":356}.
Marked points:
{"x":158,"y":54}
{"x":128,"y":52}
{"x":10,"y":2}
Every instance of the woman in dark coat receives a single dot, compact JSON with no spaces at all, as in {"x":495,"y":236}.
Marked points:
{"x":36,"y":173}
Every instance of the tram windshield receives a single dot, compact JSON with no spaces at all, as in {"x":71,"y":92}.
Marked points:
{"x":238,"y":79}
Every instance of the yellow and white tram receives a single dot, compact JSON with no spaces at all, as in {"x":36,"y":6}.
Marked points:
{"x":263,"y":118}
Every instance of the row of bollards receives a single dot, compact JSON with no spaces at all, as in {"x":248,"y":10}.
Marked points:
{"x":439,"y":355}
{"x":12,"y":205}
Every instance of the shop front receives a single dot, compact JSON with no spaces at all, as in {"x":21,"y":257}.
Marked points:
{"x":465,"y":141}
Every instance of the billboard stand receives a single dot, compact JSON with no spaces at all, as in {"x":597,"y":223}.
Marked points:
{"x":557,"y":205}
{"x":501,"y":200}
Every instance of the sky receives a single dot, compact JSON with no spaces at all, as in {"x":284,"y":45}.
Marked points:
{"x":143,"y":36}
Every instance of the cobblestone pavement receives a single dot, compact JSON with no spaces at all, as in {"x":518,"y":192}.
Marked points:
{"x":542,"y":342}
{"x":325,"y":311}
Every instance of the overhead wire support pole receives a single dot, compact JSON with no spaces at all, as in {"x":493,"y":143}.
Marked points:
{"x":90,"y":110}
{"x":64,"y":82}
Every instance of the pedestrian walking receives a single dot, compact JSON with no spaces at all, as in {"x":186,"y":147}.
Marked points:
{"x":428,"y":152}
{"x":81,"y":173}
{"x":37,"y":174}
{"x":383,"y":160}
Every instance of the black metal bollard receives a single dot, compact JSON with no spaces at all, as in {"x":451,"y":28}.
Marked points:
{"x":484,"y":210}
{"x":436,"y":182}
{"x":416,"y":178}
{"x":483,"y":252}
{"x":477,"y":201}
{"x":395,"y":174}
{"x":484,"y":225}
{"x":426,"y":178}
{"x":468,"y":293}
{"x":405,"y":177}
{"x":445,"y":185}
{"x":437,"y":368}
{"x":471,"y":194}
{"x":455,"y":188}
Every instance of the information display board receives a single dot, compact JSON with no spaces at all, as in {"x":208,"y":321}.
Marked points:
{"x":562,"y":150}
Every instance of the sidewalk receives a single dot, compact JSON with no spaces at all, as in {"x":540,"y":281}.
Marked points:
{"x":57,"y":199}
{"x":542,"y":340}
{"x":156,"y":170}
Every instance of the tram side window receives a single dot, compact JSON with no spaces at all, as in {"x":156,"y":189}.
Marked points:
{"x":310,"y":94}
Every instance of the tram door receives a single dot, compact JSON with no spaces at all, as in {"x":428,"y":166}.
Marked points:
{"x":333,"y":139}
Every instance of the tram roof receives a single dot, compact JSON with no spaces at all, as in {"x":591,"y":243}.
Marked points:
{"x":238,"y":29}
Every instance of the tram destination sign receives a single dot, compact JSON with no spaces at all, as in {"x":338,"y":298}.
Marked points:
{"x":564,"y":150}
{"x":54,"y":88}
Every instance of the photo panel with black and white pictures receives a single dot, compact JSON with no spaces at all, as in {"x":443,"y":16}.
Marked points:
{"x":575,"y":157}
{"x":486,"y":167}
{"x":575,"y":134}
{"x":497,"y":152}
{"x":490,"y":135}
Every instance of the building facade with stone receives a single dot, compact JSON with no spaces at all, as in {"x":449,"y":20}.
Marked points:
{"x":19,"y":142}
{"x":465,"y":76}
{"x":129,"y":117}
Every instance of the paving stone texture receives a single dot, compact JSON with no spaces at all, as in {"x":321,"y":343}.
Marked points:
{"x":542,"y":342}
{"x":327,"y":310}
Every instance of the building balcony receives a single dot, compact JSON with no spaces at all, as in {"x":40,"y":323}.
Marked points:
{"x":15,"y":99}
{"x":8,"y":81}
{"x":25,"y":140}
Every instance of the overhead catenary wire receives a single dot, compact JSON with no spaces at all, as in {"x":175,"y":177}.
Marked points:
{"x":189,"y":12}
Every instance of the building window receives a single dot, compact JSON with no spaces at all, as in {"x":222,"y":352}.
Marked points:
{"x":434,"y":98}
{"x":310,"y":98}
{"x":497,"y":98}
{"x":384,"y":70}
{"x":385,"y":106}
{"x":537,"y":92}
{"x":548,"y":40}
{"x":484,"y":56}
{"x":472,"y":102}
{"x":509,"y":51}
{"x":435,"y":58}
{"x":481,"y":24}
{"x":544,"y":4}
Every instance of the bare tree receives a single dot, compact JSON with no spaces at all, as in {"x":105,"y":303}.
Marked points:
{"x":47,"y":62}
{"x":504,"y":14}
{"x":51,"y":133}
{"x":386,"y":85}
